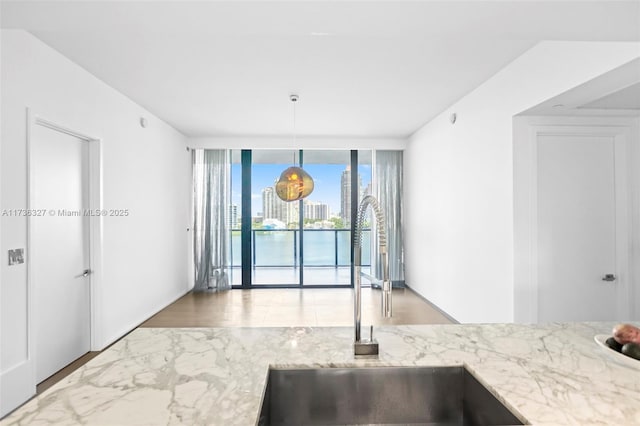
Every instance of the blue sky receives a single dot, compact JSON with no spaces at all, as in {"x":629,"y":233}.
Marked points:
{"x":326,"y":178}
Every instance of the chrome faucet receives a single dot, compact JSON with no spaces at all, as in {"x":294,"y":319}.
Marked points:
{"x":370,"y":347}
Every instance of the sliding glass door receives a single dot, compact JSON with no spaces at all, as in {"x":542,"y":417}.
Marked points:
{"x":327,"y":219}
{"x":301,"y":243}
{"x":308,"y":243}
{"x":275,"y":232}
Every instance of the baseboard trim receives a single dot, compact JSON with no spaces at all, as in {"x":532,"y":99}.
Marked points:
{"x":126,"y":330}
{"x":446,"y":315}
{"x":17,"y":386}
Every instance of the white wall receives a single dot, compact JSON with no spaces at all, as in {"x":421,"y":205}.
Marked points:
{"x":144,"y":170}
{"x":459,"y":180}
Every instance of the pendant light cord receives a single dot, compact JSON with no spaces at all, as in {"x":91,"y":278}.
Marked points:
{"x":294,"y":100}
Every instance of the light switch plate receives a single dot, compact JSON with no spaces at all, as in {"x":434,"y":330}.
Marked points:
{"x":16,"y":256}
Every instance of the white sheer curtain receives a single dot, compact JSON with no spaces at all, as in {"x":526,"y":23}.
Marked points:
{"x":211,"y":232}
{"x":388,"y":190}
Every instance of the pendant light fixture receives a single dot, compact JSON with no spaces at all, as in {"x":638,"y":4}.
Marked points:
{"x":294,"y":183}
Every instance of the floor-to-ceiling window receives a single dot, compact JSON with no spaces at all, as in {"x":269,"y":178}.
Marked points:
{"x":275,"y":236}
{"x":365,"y":187}
{"x":327,"y":219}
{"x":309,"y":242}
{"x":301,"y":243}
{"x":235,"y":219}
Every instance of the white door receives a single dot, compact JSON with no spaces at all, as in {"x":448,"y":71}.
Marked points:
{"x":60,"y":249}
{"x":577,"y":233}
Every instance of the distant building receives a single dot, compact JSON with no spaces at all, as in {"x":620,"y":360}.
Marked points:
{"x":274,"y":208}
{"x":316,"y":211}
{"x":345,"y":195}
{"x":268,"y":202}
{"x":321,"y":224}
{"x":366,"y":191}
{"x":233,"y":216}
{"x":273,"y":224}
{"x":290,"y":211}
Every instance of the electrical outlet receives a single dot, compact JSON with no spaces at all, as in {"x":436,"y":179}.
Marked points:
{"x":16,"y":256}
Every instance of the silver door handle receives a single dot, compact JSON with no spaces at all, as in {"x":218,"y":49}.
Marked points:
{"x":84,"y":273}
{"x":609,"y":277}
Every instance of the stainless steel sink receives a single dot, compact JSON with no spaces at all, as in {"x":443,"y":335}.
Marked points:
{"x":383,"y":395}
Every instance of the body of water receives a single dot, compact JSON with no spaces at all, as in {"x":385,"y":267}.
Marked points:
{"x":281,"y":248}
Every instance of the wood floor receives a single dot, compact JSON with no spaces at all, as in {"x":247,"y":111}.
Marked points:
{"x":313,"y":307}
{"x":47,"y":383}
{"x":320,"y":307}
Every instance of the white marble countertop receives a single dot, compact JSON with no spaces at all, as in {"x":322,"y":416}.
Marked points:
{"x":548,"y":375}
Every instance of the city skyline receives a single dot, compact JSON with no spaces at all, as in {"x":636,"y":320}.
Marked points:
{"x":327,"y":184}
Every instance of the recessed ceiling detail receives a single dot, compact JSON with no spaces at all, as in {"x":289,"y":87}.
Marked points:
{"x":627,"y":98}
{"x":614,"y":93}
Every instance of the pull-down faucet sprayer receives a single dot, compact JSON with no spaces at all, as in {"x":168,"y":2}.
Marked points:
{"x":370,"y":347}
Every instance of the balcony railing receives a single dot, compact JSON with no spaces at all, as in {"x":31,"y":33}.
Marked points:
{"x":279,"y":247}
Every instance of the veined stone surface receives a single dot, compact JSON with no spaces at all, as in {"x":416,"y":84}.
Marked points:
{"x":551,"y":374}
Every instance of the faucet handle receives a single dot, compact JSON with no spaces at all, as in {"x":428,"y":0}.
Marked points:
{"x":367,"y":347}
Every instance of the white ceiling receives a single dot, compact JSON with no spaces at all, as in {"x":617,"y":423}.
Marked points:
{"x":627,"y":98}
{"x":361,"y":68}
{"x":616,"y":93}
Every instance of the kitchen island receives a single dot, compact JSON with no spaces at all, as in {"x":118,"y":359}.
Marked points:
{"x":551,"y":374}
